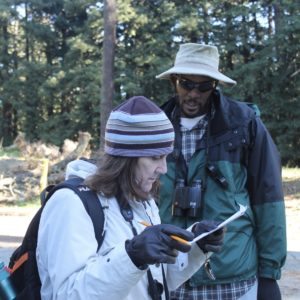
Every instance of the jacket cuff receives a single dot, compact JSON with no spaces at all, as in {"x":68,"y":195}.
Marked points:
{"x":267,"y":272}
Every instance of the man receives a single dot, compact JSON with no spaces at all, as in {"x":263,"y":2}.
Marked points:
{"x":223,"y":145}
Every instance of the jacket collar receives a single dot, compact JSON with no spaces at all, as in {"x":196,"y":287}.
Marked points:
{"x":220,"y":121}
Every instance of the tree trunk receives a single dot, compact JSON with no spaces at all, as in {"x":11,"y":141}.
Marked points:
{"x":83,"y":143}
{"x":7,"y":111}
{"x":109,"y":42}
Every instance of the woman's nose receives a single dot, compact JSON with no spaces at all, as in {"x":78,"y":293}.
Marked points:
{"x":162,"y":169}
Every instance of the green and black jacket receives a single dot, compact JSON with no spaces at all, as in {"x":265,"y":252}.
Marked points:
{"x":240,"y":147}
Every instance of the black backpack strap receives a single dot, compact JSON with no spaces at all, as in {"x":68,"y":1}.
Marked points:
{"x":89,"y":199}
{"x":23,"y":265}
{"x":167,"y":295}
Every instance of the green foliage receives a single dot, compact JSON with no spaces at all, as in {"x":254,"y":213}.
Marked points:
{"x":33,"y":203}
{"x":51,"y":61}
{"x":7,"y":152}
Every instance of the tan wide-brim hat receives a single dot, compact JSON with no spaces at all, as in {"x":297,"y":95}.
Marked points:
{"x":197,"y":59}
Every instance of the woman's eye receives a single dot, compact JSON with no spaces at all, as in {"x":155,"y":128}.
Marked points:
{"x":157,"y":157}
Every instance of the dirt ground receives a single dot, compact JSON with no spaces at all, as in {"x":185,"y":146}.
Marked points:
{"x":290,"y":281}
{"x":14,"y":222}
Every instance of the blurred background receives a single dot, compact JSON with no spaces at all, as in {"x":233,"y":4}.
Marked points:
{"x":65,"y":63}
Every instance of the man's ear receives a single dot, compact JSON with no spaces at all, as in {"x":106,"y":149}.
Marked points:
{"x":173,"y":79}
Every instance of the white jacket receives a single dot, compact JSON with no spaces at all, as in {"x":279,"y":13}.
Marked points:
{"x":68,"y":264}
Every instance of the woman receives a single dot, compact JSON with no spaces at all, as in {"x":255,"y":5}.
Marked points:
{"x":128,"y":264}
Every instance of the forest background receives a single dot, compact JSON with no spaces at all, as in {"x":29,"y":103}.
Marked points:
{"x":53,"y":64}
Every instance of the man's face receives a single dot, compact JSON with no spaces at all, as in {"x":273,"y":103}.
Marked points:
{"x":193,"y":93}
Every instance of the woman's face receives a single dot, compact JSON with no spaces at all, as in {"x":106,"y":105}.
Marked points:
{"x":148,"y":170}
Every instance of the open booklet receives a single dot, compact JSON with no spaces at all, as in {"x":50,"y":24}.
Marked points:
{"x":239,"y":213}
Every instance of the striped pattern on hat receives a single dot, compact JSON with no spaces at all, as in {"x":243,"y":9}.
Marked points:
{"x":138,"y":128}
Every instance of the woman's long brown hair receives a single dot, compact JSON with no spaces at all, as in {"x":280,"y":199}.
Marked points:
{"x":115,"y":176}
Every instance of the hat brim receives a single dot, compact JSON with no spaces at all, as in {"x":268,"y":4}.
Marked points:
{"x":203,"y":71}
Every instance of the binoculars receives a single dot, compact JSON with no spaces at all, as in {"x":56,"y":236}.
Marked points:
{"x":187,"y":199}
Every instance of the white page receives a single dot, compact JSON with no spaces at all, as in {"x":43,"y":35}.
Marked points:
{"x":230,"y":219}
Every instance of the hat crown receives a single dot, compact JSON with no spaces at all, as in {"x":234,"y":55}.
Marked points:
{"x":198,"y":54}
{"x":197,"y":59}
{"x":138,"y":105}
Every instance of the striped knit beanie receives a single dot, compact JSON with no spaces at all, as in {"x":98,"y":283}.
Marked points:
{"x":138,"y":128}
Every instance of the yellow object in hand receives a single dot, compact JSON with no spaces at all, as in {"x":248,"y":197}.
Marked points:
{"x":174,"y":237}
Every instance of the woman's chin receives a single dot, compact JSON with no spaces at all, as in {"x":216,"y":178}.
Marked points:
{"x":146,"y":188}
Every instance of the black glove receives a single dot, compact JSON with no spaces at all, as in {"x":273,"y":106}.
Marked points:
{"x":268,"y":289}
{"x":154,"y":245}
{"x":212,"y":242}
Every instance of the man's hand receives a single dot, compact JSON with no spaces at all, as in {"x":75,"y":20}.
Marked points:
{"x":268,"y":289}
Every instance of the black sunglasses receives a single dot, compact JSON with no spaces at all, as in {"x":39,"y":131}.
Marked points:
{"x":202,"y":87}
